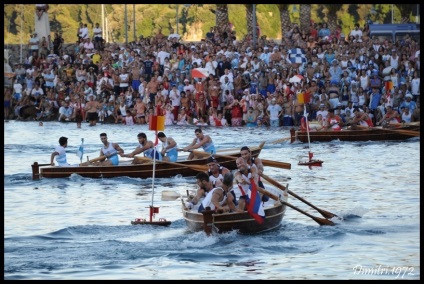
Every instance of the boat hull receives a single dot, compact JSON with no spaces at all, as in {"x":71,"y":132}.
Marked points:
{"x":379,"y":134}
{"x":162,"y":170}
{"x":241,"y":222}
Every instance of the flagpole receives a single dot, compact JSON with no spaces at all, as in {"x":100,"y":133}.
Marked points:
{"x":154,"y":169}
{"x":307,"y":129}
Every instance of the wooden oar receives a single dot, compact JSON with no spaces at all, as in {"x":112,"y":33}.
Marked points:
{"x":275,"y":164}
{"x":319,"y":220}
{"x":324,"y":213}
{"x":268,"y":163}
{"x":199,"y":168}
{"x":280,"y":140}
{"x":401,"y":131}
{"x":101,"y":158}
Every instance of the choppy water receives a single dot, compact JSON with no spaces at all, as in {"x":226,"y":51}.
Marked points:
{"x":79,"y":228}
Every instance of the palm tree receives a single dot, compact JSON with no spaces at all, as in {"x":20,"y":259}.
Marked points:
{"x":249,"y":18}
{"x":284,"y":18}
{"x":332,"y":15}
{"x":305,"y":17}
{"x":221,"y":20}
{"x":405,"y":12}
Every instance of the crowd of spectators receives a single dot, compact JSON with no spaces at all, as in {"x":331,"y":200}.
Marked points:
{"x":244,"y":86}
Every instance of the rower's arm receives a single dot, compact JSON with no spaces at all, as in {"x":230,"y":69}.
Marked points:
{"x":191,"y":146}
{"x":259,"y":165}
{"x":119,"y":149}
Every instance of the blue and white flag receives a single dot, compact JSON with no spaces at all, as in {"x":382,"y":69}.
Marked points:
{"x":297,"y":55}
{"x":80,"y":152}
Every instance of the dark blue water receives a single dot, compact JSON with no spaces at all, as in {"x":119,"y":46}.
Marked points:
{"x":79,"y":228}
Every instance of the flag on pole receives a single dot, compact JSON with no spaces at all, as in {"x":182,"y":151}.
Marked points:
{"x":80,"y":152}
{"x":255,"y":206}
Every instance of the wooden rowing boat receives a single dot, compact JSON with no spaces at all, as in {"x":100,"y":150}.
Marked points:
{"x":369,"y":134}
{"x":243,"y":223}
{"x":144,"y":170}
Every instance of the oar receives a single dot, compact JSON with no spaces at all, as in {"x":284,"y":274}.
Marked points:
{"x":268,"y":163}
{"x":275,"y":164}
{"x":319,"y":220}
{"x":280,"y":140}
{"x":199,"y":168}
{"x":401,"y":131}
{"x":102,"y":158}
{"x":324,"y":213}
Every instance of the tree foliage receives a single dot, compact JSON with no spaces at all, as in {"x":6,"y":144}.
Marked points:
{"x":19,"y":19}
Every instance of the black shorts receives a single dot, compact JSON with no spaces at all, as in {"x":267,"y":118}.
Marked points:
{"x":92,"y":116}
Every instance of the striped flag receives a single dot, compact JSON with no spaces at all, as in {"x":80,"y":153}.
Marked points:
{"x":255,"y":206}
{"x":80,"y":152}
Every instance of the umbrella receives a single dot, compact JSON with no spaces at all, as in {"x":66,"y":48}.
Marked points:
{"x":199,"y":73}
{"x":296,"y":79}
{"x":297,"y":55}
{"x":386,"y":71}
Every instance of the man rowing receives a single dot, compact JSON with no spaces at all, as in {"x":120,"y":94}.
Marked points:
{"x":169,"y":150}
{"x":220,"y":198}
{"x":216,"y":172}
{"x":254,"y":162}
{"x":145,"y":146}
{"x":109,"y":152}
{"x":243,"y":178}
{"x":361,"y":120}
{"x":202,"y":180}
{"x":201,"y":140}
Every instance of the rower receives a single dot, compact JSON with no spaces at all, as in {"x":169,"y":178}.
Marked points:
{"x":169,"y":148}
{"x":216,"y":172}
{"x":202,"y":180}
{"x":218,"y":198}
{"x":254,"y":162}
{"x":109,"y":151}
{"x":201,"y":140}
{"x":145,"y":146}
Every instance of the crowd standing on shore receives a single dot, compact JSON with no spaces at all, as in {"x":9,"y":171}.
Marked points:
{"x":97,"y":81}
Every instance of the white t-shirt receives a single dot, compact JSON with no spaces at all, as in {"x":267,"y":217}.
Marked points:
{"x":273,"y":110}
{"x":34,"y":43}
{"x":415,"y":86}
{"x":123,"y":77}
{"x":17,"y":87}
{"x":97,"y":32}
{"x":174,"y":95}
{"x":161,"y":56}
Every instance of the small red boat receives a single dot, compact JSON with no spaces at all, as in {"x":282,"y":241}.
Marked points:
{"x":311,"y":162}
